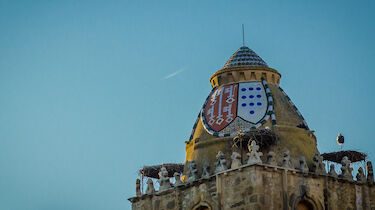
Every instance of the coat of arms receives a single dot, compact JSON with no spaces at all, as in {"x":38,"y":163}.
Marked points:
{"x":245,"y":101}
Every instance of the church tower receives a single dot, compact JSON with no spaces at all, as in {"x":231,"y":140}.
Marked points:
{"x":246,"y":96}
{"x":251,"y":148}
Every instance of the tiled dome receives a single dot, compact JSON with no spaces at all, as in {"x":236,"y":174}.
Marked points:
{"x":245,"y":57}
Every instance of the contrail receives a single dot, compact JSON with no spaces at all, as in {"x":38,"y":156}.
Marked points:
{"x":173,"y":74}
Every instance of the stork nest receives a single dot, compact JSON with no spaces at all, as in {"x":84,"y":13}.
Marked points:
{"x":263,"y":137}
{"x":336,"y":157}
{"x":153,"y":171}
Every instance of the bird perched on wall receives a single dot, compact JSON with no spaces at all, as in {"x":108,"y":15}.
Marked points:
{"x":340,"y":139}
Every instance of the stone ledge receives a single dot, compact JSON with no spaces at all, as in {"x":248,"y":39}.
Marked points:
{"x":226,"y":173}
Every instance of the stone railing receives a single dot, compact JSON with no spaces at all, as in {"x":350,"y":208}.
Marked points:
{"x":254,"y":158}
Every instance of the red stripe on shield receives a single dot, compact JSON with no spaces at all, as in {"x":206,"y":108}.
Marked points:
{"x":221,"y":107}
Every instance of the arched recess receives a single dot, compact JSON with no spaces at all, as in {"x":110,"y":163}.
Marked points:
{"x":202,"y":206}
{"x":306,"y":203}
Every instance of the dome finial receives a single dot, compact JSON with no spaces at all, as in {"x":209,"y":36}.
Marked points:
{"x":244,"y":57}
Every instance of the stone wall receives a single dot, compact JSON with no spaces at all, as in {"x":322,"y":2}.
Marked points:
{"x":262,"y":186}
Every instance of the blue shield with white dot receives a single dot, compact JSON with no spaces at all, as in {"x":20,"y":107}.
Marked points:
{"x":252,"y":101}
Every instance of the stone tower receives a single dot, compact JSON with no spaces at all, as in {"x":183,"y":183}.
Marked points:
{"x":258,"y":102}
{"x":250,"y":148}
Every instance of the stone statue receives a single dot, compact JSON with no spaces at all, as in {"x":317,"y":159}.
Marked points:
{"x":370,"y":173}
{"x":254,"y":155}
{"x":164,"y":179}
{"x":303,"y":166}
{"x":286,"y":160}
{"x":205,"y":171}
{"x":318,"y":165}
{"x":150,"y":187}
{"x":361,"y":175}
{"x":236,"y":160}
{"x":192,"y":171}
{"x":138,"y":188}
{"x":346,"y":170}
{"x":221,"y":162}
{"x":178,"y":181}
{"x":271,"y":160}
{"x":332,"y":171}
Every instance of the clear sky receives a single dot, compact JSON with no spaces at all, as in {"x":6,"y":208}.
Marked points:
{"x":91,"y":91}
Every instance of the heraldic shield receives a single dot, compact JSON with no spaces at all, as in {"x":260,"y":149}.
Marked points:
{"x":244,"y":104}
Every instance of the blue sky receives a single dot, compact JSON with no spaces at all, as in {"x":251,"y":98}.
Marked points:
{"x":91,"y":91}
